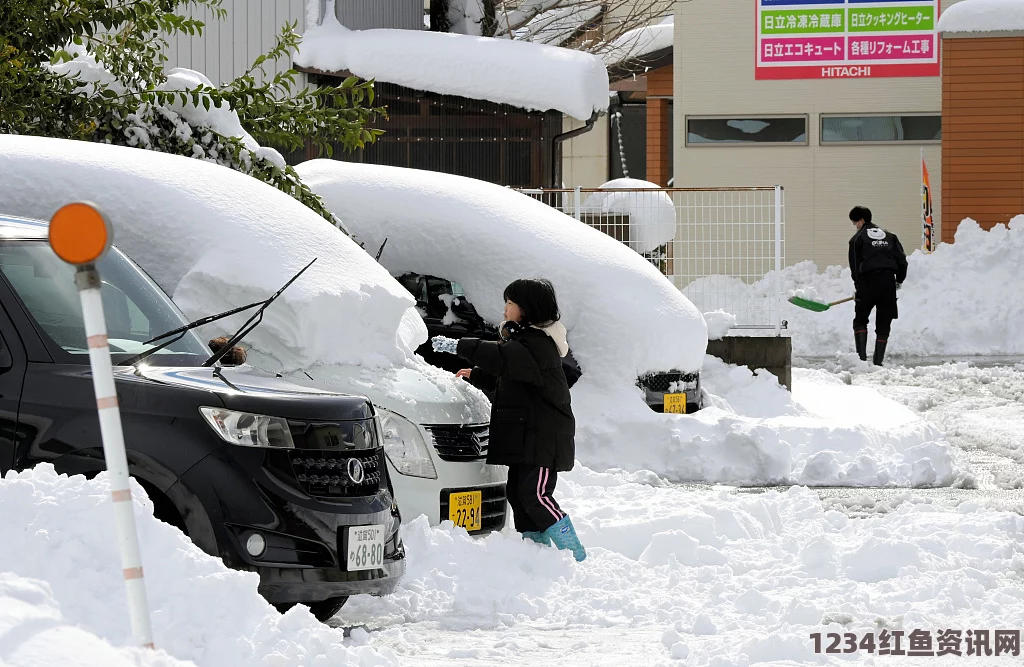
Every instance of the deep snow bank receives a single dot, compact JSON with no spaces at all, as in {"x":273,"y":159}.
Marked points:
{"x":960,"y":300}
{"x":753,"y":431}
{"x":726,"y":578}
{"x":61,"y":530}
{"x":241,"y":238}
{"x":624,"y":318}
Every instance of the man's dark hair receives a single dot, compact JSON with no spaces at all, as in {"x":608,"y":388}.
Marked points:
{"x":860,"y":213}
{"x":535,"y":298}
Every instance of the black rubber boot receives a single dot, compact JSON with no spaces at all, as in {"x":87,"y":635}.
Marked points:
{"x":861,"y":338}
{"x":879,"y":352}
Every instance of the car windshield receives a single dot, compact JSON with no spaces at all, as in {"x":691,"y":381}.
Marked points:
{"x":136,"y":309}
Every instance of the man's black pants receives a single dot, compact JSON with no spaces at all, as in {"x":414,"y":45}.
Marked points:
{"x":876,"y":290}
{"x":530,"y":490}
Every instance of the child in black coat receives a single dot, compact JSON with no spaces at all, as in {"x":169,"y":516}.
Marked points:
{"x":532,"y":425}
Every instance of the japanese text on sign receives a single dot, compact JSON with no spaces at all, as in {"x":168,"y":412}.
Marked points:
{"x":800,"y":39}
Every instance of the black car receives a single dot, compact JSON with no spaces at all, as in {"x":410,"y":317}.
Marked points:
{"x":445,"y":310}
{"x":269,"y":476}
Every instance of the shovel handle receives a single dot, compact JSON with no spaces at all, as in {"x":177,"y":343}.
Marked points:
{"x":849,"y":298}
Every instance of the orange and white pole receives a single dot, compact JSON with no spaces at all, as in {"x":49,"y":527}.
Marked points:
{"x":80,"y":235}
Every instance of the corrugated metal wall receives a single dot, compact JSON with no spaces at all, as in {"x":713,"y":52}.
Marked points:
{"x":227,"y":48}
{"x":366,"y":14}
{"x":982,"y":130}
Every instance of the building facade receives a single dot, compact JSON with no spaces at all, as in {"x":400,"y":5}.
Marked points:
{"x":834,"y":130}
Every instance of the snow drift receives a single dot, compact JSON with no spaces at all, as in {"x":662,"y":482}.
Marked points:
{"x":61,"y":530}
{"x":958,"y":301}
{"x":624,"y":318}
{"x":241,"y":238}
{"x":652,"y":215}
{"x":522,"y":74}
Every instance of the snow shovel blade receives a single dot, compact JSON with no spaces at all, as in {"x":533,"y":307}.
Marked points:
{"x":809,"y":305}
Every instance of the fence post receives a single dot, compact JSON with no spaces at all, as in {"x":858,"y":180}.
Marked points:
{"x":577,"y":204}
{"x":778,"y":260}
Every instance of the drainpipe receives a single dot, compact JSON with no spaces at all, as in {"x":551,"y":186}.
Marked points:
{"x":556,"y":148}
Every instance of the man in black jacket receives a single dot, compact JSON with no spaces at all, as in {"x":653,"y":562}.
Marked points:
{"x":879,"y":267}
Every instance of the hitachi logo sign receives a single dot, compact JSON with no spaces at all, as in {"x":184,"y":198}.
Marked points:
{"x":843,"y":72}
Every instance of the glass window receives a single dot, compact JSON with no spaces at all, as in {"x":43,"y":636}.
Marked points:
{"x":746,"y":130}
{"x":136,"y":309}
{"x":915,"y":128}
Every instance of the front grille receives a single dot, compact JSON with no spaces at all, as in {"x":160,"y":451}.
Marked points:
{"x":493,"y":506}
{"x":661,"y":382}
{"x":461,"y":443}
{"x":328,"y":473}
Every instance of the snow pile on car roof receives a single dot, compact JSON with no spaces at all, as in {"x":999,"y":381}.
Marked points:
{"x":624,"y":318}
{"x":522,"y":74}
{"x":240,"y":238}
{"x":61,"y":530}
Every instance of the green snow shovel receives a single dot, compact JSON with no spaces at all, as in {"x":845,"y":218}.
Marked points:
{"x":814,"y":305}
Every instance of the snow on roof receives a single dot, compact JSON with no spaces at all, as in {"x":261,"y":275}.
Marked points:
{"x":172,"y":213}
{"x":638,"y":43}
{"x":531,"y":76}
{"x":59,"y":529}
{"x":624,"y":318}
{"x":983,"y":16}
{"x":652,"y":215}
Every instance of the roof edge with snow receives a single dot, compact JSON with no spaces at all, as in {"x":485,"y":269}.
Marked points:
{"x":983,"y":18}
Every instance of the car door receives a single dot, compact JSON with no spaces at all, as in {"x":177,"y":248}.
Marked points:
{"x":12,"y":379}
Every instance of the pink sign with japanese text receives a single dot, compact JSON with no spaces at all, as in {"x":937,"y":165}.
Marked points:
{"x":822,"y":39}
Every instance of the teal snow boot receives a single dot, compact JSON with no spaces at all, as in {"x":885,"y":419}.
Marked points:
{"x":563,"y":536}
{"x":537,"y":536}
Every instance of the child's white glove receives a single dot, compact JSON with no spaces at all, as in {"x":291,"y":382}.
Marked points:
{"x":444,"y":344}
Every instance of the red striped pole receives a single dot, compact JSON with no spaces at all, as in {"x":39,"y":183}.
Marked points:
{"x":79,"y":235}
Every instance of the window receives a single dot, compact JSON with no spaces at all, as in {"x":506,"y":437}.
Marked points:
{"x":746,"y":130}
{"x":916,"y":128}
{"x":135,"y":308}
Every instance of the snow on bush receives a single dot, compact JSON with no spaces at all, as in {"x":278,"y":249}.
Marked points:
{"x":652,"y":215}
{"x":61,"y":530}
{"x":522,"y":74}
{"x":638,"y":43}
{"x":624,"y":318}
{"x":240,"y":238}
{"x":982,"y":16}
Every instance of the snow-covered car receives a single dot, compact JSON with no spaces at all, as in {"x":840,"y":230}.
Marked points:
{"x":269,"y":476}
{"x":212,"y":238}
{"x":442,"y":230}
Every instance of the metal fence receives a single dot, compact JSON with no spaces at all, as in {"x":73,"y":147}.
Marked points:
{"x":723,"y":247}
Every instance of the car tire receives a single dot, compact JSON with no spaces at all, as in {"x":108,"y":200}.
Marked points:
{"x":326,"y":609}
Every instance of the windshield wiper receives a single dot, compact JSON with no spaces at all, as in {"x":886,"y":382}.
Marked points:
{"x":180,"y":332}
{"x":253,"y":321}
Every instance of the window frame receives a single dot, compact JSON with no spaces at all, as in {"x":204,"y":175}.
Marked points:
{"x":877,"y":142}
{"x":806,"y":117}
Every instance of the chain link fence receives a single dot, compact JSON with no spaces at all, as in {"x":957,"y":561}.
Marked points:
{"x":723,"y":247}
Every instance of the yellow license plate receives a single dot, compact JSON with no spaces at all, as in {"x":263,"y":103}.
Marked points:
{"x":675,"y":404}
{"x":464,"y":509}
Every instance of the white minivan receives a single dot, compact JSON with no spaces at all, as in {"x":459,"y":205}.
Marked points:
{"x":435,"y":430}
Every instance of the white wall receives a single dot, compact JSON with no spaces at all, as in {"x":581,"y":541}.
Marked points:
{"x":714,"y":75}
{"x":227,"y":48}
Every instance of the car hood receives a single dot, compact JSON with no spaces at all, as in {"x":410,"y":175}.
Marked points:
{"x":252,"y":390}
{"x":420,"y":392}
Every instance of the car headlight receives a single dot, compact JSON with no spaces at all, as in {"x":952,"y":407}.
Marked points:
{"x":249,"y":430}
{"x":404,"y":446}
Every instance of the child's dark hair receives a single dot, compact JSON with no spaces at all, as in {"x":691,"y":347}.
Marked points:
{"x":860,"y":213}
{"x":535,"y":298}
